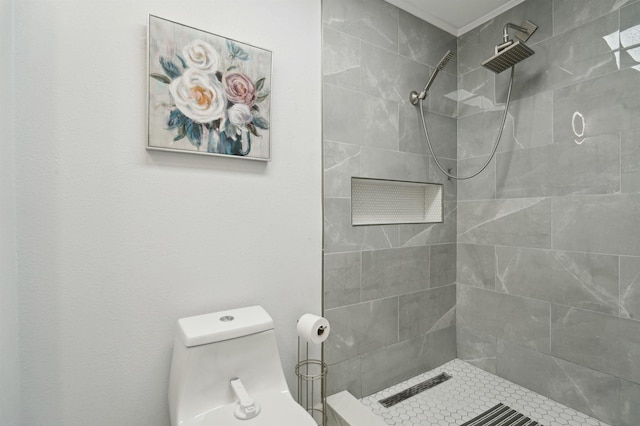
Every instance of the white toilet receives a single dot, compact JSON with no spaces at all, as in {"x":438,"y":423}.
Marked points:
{"x":226,"y":371}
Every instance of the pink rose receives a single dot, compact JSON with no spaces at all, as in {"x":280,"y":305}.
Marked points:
{"x":240,"y":89}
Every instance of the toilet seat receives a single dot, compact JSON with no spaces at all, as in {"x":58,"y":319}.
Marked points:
{"x":276,"y":409}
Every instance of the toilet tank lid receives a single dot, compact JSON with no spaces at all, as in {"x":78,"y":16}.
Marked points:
{"x":225,"y":325}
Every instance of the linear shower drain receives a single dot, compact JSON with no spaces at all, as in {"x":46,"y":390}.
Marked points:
{"x":502,"y":415}
{"x":392,"y":400}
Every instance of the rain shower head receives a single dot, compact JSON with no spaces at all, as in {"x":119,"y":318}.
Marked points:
{"x":509,"y":53}
{"x":508,"y":57}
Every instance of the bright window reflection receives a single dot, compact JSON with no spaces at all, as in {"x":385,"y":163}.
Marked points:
{"x":625,"y":41}
{"x":630,"y":37}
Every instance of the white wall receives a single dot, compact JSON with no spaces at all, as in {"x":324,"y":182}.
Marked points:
{"x":9,"y":366}
{"x":115,"y":243}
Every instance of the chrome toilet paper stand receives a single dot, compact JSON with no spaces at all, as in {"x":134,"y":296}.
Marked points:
{"x":312,"y":383}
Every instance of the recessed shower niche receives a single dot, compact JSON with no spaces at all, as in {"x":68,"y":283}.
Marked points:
{"x":385,"y":202}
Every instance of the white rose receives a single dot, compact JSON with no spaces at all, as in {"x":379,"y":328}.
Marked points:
{"x":201,"y":55}
{"x":199,"y":96}
{"x":239,"y":115}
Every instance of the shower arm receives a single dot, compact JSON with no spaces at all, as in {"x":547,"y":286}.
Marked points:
{"x":505,"y":33}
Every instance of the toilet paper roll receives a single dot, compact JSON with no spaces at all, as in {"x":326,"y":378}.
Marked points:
{"x":313,"y":328}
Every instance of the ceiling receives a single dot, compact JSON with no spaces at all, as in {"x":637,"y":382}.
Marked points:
{"x":455,"y":16}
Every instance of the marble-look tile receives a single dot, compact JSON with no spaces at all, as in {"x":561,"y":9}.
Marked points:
{"x":442,"y":133}
{"x":575,"y":56}
{"x":442,"y":95}
{"x":568,"y":14}
{"x":436,"y":176}
{"x":582,"y":280}
{"x":340,"y":59}
{"x":361,"y":328}
{"x":390,"y":76}
{"x":382,"y":164}
{"x":342,"y":272}
{"x":589,"y":391}
{"x":427,"y":234}
{"x":629,"y":407}
{"x":518,"y":222}
{"x":476,"y":266}
{"x":341,"y":236}
{"x":424,"y":42}
{"x":359,"y":119}
{"x":442,"y":265}
{"x":564,"y":168}
{"x":598,"y":224}
{"x":481,"y":187}
{"x":345,"y":375}
{"x":477,"y":133}
{"x":477,"y":349}
{"x":529,"y":123}
{"x":394,"y":272}
{"x":341,"y":162}
{"x":599,"y":106}
{"x":598,"y":341}
{"x":374,"y":21}
{"x":630,"y":161}
{"x":476,"y":92}
{"x":517,"y":319}
{"x":630,"y":287}
{"x":392,"y":364}
{"x":441,"y":346}
{"x":477,"y":45}
{"x":427,"y":311}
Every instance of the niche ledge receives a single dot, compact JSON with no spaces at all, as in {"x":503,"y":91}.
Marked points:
{"x":391,"y":202}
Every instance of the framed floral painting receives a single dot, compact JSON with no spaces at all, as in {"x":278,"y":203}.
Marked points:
{"x":207,"y":94}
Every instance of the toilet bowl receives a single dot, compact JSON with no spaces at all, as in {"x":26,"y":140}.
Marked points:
{"x":226,"y":371}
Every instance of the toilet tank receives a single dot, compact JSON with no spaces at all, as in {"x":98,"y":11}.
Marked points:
{"x":212,"y":349}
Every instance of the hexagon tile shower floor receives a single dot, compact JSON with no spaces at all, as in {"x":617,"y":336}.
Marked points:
{"x":469,"y":393}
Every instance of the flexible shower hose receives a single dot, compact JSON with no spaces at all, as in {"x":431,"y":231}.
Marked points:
{"x":495,"y":146}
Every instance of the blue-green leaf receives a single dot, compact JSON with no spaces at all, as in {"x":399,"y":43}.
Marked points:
{"x":230,"y":129}
{"x":176,"y":119}
{"x":170,"y":68}
{"x":182,"y":132}
{"x":260,"y":122}
{"x":160,"y":77}
{"x":262,"y":96}
{"x":194,"y":132}
{"x":182,"y":61}
{"x":260,"y":84}
{"x":236,"y":51}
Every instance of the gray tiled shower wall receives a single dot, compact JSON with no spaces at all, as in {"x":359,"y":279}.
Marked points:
{"x":542,"y":249}
{"x":389,"y":290}
{"x":548,"y":242}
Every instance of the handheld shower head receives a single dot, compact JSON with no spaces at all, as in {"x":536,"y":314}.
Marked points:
{"x":414,"y":97}
{"x":445,"y":59}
